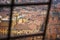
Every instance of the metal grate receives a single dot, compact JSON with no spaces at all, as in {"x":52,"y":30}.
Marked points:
{"x":26,"y":4}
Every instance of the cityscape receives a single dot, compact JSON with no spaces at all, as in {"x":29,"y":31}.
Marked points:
{"x":22,"y":1}
{"x":25,"y":19}
{"x":28,"y":20}
{"x":29,"y":1}
{"x":5,"y":1}
{"x":4,"y":21}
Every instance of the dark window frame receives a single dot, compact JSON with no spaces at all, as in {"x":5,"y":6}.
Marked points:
{"x":26,"y":4}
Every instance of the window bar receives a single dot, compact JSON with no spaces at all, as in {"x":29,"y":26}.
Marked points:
{"x":22,"y":36}
{"x":47,"y":18}
{"x":26,"y":4}
{"x":10,"y":23}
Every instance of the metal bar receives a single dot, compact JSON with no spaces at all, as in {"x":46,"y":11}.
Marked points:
{"x":10,"y":23}
{"x":26,"y":4}
{"x":47,"y":18}
{"x":22,"y":36}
